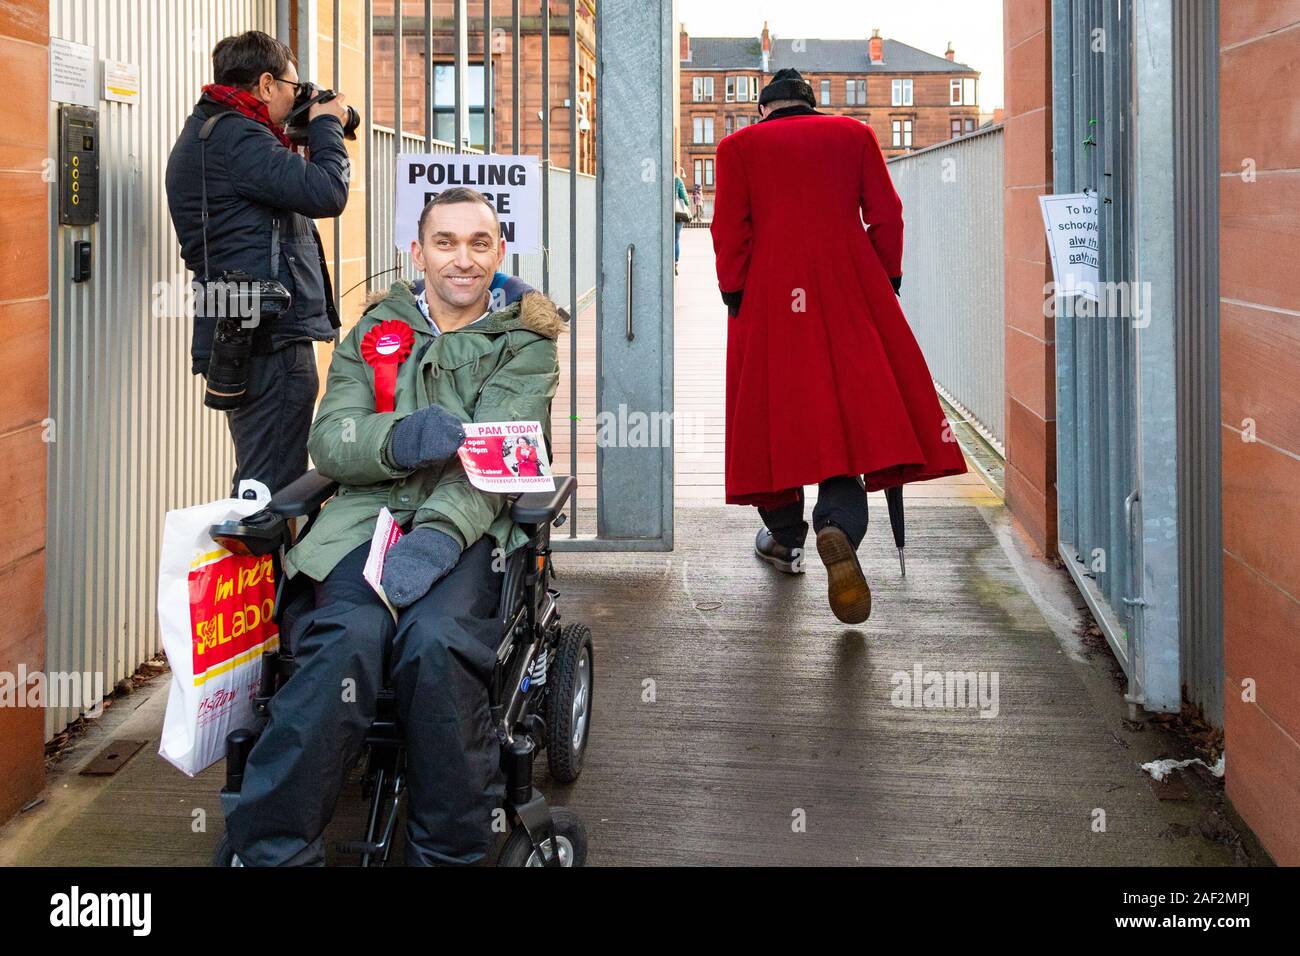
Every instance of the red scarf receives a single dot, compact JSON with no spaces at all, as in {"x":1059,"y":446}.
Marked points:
{"x":249,"y":105}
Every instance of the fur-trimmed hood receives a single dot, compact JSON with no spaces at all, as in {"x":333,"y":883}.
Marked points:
{"x":532,"y":310}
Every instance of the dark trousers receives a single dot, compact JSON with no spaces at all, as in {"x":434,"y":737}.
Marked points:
{"x":443,"y":653}
{"x":270,"y":428}
{"x":841,"y":501}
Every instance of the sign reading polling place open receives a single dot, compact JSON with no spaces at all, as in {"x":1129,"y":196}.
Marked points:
{"x":511,"y":183}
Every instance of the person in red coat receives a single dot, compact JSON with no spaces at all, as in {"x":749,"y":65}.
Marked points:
{"x":526,"y":461}
{"x":826,"y":384}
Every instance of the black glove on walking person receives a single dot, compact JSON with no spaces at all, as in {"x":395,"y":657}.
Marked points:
{"x":415,"y":562}
{"x":897,"y":283}
{"x":426,"y":437}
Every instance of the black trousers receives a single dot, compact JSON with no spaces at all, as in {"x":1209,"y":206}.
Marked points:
{"x":841,"y":501}
{"x":270,"y":428}
{"x":443,"y":653}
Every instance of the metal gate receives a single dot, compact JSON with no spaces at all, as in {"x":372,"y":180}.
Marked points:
{"x":606,"y":233}
{"x":131,"y":436}
{"x":1136,"y":380}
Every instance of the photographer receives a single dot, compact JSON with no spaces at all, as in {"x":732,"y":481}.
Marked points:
{"x":261,"y":198}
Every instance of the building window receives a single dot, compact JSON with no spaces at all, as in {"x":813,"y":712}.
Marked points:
{"x":703,"y":129}
{"x":741,"y":89}
{"x":730,"y":123}
{"x":708,"y":172}
{"x":970,"y":124}
{"x":444,"y":103}
{"x":954,"y":127}
{"x":901,"y":93}
{"x":826,"y":93}
{"x":954,"y":92}
{"x":855,"y":92}
{"x":699,"y":172}
{"x":702,"y":89}
{"x":902,"y":130}
{"x":961,"y":93}
{"x":742,"y":122}
{"x":968,"y":92}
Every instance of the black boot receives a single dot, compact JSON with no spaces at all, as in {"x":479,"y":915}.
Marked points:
{"x":787,"y":559}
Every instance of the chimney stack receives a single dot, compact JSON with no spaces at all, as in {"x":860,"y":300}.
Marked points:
{"x":684,"y":45}
{"x":951,"y":54}
{"x":876,"y":46}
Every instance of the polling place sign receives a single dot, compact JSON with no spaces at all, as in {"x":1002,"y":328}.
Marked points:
{"x":1071,"y":223}
{"x":511,"y":183}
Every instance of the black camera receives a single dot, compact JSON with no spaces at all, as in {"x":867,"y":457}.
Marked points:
{"x":309,"y":94}
{"x":240,"y":304}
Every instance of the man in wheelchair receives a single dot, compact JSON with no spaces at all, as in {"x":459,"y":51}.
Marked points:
{"x":400,"y":386}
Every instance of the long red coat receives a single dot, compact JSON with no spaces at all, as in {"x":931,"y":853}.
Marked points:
{"x":824,"y":376}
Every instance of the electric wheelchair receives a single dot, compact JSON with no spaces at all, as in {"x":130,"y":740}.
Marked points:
{"x":541,"y":690}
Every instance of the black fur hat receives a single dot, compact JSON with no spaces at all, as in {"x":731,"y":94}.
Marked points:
{"x":788,"y":84}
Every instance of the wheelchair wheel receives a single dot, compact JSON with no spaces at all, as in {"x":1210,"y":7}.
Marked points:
{"x":571,"y":682}
{"x":570,"y":834}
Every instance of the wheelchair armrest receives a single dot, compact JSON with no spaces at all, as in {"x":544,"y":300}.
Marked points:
{"x":264,"y":531}
{"x":541,"y":507}
{"x":303,"y":496}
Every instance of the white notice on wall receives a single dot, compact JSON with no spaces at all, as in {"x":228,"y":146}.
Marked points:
{"x":121,"y":81}
{"x":511,"y":183}
{"x":72,"y":73}
{"x":1071,"y":223}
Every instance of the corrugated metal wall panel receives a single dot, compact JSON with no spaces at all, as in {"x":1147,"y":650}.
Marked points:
{"x":132,"y":438}
{"x":1196,"y":105}
{"x":952,"y":289}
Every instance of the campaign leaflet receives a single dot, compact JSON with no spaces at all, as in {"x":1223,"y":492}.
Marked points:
{"x":506,"y":457}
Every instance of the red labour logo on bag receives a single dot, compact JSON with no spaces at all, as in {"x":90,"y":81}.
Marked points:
{"x":232,"y":612}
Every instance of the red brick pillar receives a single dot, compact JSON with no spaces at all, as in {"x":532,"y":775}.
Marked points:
{"x":24,"y":384}
{"x":1259,"y":245}
{"x":1030,"y":335}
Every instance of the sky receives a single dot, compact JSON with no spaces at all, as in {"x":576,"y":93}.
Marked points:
{"x":973,"y":26}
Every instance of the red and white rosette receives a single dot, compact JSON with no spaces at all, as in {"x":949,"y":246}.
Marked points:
{"x":385,"y":347}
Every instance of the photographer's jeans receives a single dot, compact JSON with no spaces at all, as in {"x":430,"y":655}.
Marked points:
{"x":270,"y":428}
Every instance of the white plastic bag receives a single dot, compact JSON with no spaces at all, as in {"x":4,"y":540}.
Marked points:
{"x":216,"y":614}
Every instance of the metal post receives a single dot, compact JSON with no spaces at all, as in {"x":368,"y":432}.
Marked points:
{"x":398,"y":38}
{"x":282,"y":21}
{"x":429,"y":74}
{"x":338,"y":220}
{"x":487,"y":77}
{"x":368,"y":121}
{"x":514,"y":94}
{"x":462,"y":66}
{"x":546,"y":147}
{"x":573,"y":255}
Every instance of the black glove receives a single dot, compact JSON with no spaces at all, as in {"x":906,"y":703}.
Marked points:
{"x":897,"y":283}
{"x":732,"y":301}
{"x":415,"y":562}
{"x":426,"y":437}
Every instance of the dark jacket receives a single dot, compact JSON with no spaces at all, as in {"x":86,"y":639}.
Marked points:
{"x":254,"y":185}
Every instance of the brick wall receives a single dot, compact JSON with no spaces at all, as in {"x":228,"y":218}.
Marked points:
{"x":1259,"y":245}
{"x":24,"y":381}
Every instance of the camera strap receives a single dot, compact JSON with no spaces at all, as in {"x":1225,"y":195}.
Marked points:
{"x":204,"y":132}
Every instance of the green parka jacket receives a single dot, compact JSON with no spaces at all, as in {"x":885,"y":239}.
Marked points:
{"x":503,"y":367}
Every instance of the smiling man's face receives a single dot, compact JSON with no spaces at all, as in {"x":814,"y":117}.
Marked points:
{"x":459,"y":252}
